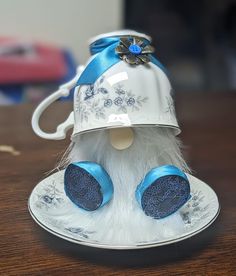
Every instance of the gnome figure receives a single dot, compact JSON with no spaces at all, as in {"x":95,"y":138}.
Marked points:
{"x":124,"y":171}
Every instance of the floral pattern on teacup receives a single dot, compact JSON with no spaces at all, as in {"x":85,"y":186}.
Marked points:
{"x":122,"y":100}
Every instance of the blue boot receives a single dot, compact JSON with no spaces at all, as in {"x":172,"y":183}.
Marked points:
{"x":88,"y":185}
{"x":163,"y":191}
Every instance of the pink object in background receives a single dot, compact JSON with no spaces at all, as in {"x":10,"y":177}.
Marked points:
{"x":24,"y":62}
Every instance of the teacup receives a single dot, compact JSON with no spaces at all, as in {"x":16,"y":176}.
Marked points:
{"x":122,"y":85}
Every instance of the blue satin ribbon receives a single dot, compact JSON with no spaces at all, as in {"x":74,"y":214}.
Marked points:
{"x":105,"y":58}
{"x":102,"y":177}
{"x":153,"y":175}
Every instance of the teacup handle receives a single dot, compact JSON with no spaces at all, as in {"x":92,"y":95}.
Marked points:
{"x":63,"y":91}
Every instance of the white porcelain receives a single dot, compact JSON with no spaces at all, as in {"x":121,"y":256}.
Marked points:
{"x":53,"y":211}
{"x":134,"y":96}
{"x":124,"y":96}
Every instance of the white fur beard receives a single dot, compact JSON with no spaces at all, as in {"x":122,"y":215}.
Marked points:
{"x":122,"y":221}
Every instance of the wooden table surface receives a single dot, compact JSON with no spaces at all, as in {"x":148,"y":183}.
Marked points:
{"x":208,"y":122}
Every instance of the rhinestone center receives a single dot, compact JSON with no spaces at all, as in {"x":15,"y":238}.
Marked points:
{"x":135,"y":49}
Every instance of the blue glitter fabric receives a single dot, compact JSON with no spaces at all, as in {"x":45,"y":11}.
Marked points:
{"x":165,"y":196}
{"x":82,"y":188}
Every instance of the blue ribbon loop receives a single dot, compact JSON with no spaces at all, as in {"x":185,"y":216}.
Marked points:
{"x":105,"y":58}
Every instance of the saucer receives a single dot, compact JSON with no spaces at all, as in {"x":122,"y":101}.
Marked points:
{"x":52,"y":210}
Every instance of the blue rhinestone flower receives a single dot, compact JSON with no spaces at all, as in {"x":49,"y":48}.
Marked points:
{"x":133,"y":50}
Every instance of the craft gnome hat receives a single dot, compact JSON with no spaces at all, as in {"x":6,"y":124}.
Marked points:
{"x":122,"y":85}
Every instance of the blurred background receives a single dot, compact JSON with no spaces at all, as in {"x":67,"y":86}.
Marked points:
{"x":42,"y":42}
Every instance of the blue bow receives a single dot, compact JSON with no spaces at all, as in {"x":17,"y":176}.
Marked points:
{"x":106,"y":57}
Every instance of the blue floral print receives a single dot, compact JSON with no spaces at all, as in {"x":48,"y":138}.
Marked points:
{"x":51,"y":197}
{"x":124,"y":100}
{"x":108,"y":103}
{"x":118,"y":101}
{"x":131,"y":101}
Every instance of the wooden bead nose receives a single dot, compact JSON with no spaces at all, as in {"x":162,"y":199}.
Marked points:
{"x":121,"y":138}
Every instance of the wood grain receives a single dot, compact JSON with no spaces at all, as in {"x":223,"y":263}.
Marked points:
{"x":208,"y":122}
